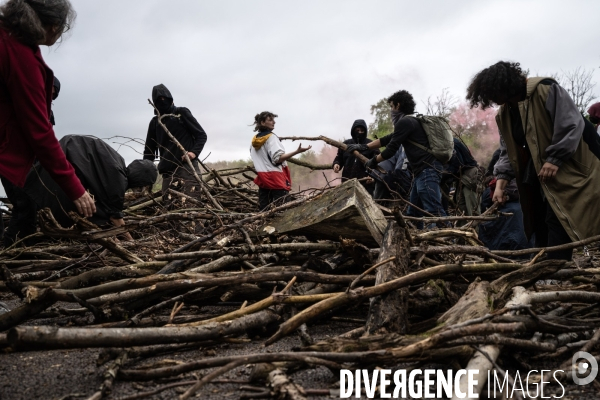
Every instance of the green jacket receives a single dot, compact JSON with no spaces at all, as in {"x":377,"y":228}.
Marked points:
{"x":573,"y":193}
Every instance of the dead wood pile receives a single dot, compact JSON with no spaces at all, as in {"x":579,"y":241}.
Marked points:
{"x":419,"y":297}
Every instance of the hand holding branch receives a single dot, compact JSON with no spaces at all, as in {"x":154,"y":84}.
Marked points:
{"x":190,"y":155}
{"x":85,"y":205}
{"x":499,"y":195}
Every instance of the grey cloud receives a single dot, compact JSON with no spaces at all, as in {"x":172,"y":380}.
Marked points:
{"x":318,"y":64}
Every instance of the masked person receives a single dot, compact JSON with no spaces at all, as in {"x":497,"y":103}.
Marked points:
{"x":25,"y":103}
{"x":350,"y":166}
{"x":102,"y":172}
{"x":542,"y":148}
{"x":409,"y":133}
{"x":173,"y":167}
{"x":269,"y":157}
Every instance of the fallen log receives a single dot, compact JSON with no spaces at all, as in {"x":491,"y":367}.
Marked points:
{"x":352,"y":296}
{"x":283,"y":388}
{"x":247,"y":249}
{"x":388,"y":312}
{"x":68,"y":338}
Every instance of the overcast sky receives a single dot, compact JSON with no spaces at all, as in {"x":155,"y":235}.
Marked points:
{"x":318,"y":64}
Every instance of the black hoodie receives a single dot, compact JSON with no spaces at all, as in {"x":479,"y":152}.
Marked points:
{"x":100,"y":169}
{"x":352,"y":167}
{"x":186,"y":130}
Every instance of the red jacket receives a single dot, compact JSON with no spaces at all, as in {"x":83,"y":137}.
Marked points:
{"x":25,"y":130}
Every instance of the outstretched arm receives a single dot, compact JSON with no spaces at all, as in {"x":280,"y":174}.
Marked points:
{"x":289,"y":155}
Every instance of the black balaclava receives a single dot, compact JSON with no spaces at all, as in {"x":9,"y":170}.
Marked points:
{"x":359,"y":138}
{"x":164,"y":106}
{"x":56,"y":85}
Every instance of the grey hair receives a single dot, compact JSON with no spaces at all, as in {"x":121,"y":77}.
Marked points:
{"x":28,"y":20}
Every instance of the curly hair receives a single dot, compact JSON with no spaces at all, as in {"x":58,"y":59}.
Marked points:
{"x":500,"y":81}
{"x":28,"y":20}
{"x":406,"y":101}
{"x":262,"y":117}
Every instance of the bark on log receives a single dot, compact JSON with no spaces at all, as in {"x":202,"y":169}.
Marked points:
{"x":309,"y":165}
{"x":387,"y":313}
{"x":44,"y":299}
{"x":482,"y":364}
{"x":346,"y":298}
{"x":502,"y":286}
{"x":473,"y":304}
{"x":283,"y":388}
{"x":246,"y":249}
{"x":184,"y":281}
{"x":48,"y":337}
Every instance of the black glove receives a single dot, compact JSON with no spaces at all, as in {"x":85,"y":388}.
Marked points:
{"x":358,"y":147}
{"x":372,"y":163}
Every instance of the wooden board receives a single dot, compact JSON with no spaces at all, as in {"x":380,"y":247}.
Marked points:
{"x":347,"y":211}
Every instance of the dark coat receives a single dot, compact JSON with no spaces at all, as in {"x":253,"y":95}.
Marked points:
{"x":408,"y":129}
{"x":185,"y":129}
{"x":99,"y":168}
{"x":573,"y":193}
{"x":351,"y":166}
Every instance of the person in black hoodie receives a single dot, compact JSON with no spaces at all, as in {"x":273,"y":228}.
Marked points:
{"x":351,"y":167}
{"x":101,"y":170}
{"x":188,"y":132}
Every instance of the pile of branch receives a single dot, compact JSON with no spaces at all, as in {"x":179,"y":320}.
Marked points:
{"x":201,"y":272}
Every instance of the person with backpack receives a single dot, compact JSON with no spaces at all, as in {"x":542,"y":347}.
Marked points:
{"x":543,"y":148}
{"x":350,"y":166}
{"x":25,"y":101}
{"x":269,"y":157}
{"x":409,"y":133}
{"x":173,"y":167}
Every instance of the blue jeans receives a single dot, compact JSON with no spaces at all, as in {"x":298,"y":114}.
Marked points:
{"x":426,"y":193}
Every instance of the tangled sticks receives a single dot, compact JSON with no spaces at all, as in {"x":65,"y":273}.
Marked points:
{"x":238,"y":296}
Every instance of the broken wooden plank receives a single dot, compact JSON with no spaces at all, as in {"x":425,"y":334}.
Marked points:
{"x":347,"y":211}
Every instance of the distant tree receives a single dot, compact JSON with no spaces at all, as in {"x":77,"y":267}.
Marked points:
{"x":477,"y":129}
{"x":578,"y":83}
{"x":218,"y":165}
{"x":303,"y":178}
{"x":382,"y":125}
{"x":442,"y":106}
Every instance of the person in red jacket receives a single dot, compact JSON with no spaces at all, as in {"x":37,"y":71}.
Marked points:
{"x":26,"y":81}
